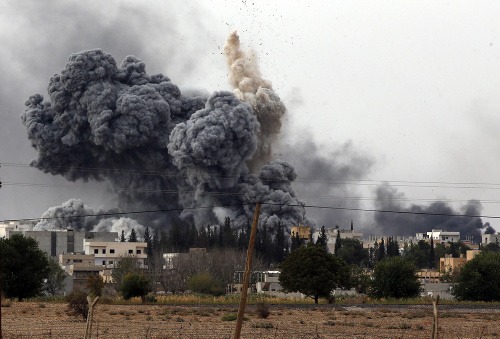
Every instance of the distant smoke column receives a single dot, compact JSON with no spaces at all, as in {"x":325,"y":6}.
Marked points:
{"x":250,"y":87}
{"x":421,"y":218}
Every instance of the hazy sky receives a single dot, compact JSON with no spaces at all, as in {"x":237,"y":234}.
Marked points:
{"x":407,"y":90}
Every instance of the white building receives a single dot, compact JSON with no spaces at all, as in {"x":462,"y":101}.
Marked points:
{"x":443,"y":236}
{"x":8,"y":227}
{"x":57,"y":242}
{"x":490,"y":238}
{"x":107,"y":253}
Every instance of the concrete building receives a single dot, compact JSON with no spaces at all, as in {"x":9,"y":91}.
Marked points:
{"x":58,"y":242}
{"x":107,"y":253}
{"x":490,"y":238}
{"x":429,"y":276}
{"x":267,"y":281}
{"x":303,"y":231}
{"x":81,"y":259}
{"x":449,"y":264}
{"x":443,"y":236}
{"x":15,"y":226}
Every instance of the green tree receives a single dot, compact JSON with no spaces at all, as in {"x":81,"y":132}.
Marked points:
{"x":135,"y":285}
{"x":491,"y":247}
{"x":296,"y":241}
{"x":395,"y":277}
{"x":381,"y":251}
{"x":432,"y":255}
{"x":419,"y":254}
{"x":95,"y":285}
{"x":322,"y":238}
{"x":54,"y":283}
{"x":122,"y":236}
{"x":133,"y":236}
{"x":313,"y":271}
{"x":124,"y":265}
{"x":148,"y":239}
{"x":352,"y":252}
{"x":479,"y":278}
{"x":280,"y":244}
{"x":338,"y":244}
{"x":23,"y":267}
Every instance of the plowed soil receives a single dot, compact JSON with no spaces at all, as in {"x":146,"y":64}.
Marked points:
{"x":50,"y":320}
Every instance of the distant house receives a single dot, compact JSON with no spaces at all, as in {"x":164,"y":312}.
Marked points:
{"x":302,"y":231}
{"x":55,"y":242}
{"x":108,"y":253}
{"x":490,"y":238}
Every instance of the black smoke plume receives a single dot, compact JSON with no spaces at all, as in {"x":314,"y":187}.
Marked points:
{"x":159,"y":148}
{"x":420,"y":218}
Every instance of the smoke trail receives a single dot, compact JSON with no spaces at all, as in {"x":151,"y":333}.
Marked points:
{"x":250,"y":87}
{"x":387,"y":198}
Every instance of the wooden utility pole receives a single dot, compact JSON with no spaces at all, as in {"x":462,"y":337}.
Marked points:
{"x":435,"y":300}
{"x":91,"y":301}
{"x":246,"y":276}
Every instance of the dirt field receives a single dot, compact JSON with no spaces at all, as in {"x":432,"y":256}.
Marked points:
{"x":49,"y":320}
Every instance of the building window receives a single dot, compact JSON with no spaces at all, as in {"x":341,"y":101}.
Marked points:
{"x":104,"y":262}
{"x":130,"y":251}
{"x":103,"y":251}
{"x":111,"y":251}
{"x":96,"y":250}
{"x":138,"y":251}
{"x":111,"y":262}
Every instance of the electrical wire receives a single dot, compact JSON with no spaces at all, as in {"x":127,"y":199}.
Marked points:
{"x":250,"y":204}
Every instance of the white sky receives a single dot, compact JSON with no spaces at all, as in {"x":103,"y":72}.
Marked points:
{"x":414,"y":84}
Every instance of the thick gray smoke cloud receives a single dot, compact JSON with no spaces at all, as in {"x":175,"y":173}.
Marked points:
{"x":72,"y":214}
{"x":158,"y":148}
{"x":388,"y":198}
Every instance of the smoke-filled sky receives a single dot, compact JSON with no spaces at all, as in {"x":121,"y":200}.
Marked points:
{"x":403,"y":93}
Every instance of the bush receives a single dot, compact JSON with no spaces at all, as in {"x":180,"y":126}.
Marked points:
{"x":77,"y":304}
{"x":205,"y":283}
{"x":263,"y":310}
{"x":229,"y":317}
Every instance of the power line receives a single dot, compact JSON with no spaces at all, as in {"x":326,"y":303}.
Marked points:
{"x":359,"y":182}
{"x":216,"y":193}
{"x":263,"y":203}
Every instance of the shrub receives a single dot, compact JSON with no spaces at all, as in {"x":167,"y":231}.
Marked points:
{"x":205,"y":283}
{"x":229,"y":317}
{"x":263,"y":325}
{"x":77,"y":304}
{"x":263,"y":310}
